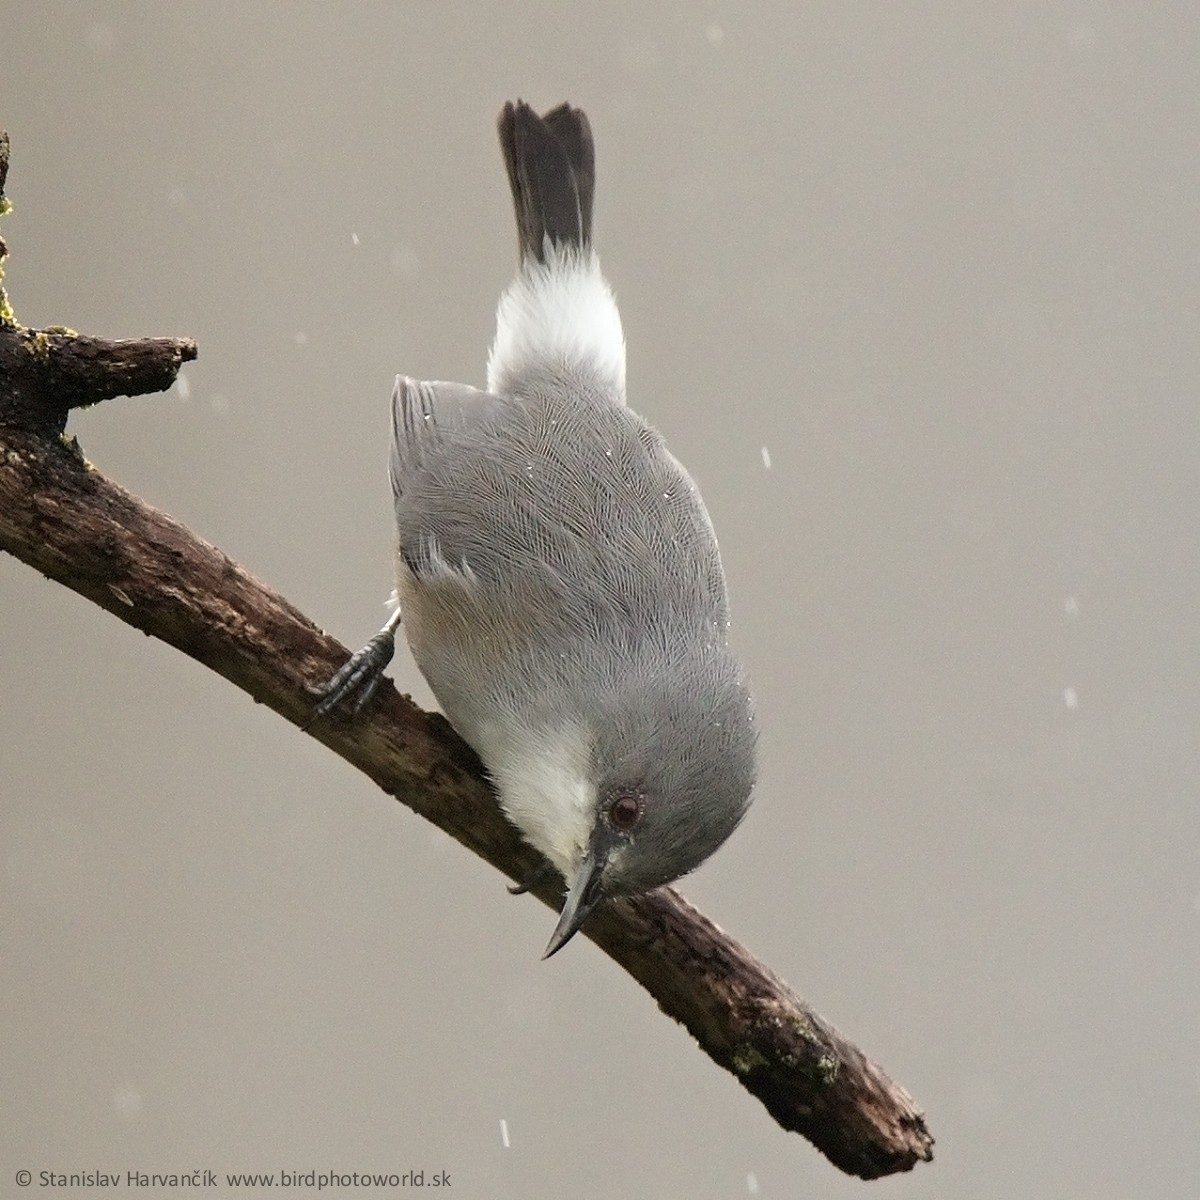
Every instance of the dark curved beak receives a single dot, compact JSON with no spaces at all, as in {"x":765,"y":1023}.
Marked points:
{"x":581,"y":899}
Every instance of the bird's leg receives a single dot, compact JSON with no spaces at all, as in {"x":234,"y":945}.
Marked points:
{"x":361,"y":674}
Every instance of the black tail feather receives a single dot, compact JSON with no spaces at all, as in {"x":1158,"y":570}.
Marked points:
{"x":570,"y":126}
{"x":551,"y":170}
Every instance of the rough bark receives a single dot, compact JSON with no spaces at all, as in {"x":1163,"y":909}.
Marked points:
{"x":65,"y":519}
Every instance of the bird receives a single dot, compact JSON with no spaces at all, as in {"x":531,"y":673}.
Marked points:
{"x":558,"y":577}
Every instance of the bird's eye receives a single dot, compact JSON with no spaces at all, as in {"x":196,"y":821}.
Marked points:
{"x":625,"y":812}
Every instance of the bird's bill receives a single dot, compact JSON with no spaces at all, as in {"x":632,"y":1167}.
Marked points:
{"x":581,"y":899}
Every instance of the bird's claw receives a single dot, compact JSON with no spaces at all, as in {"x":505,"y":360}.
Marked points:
{"x":358,"y":679}
{"x":539,"y":874}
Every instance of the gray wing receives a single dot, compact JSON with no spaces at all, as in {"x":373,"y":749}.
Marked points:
{"x":576,"y":512}
{"x":425,"y":418}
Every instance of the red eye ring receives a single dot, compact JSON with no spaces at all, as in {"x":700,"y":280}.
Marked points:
{"x":625,"y":811}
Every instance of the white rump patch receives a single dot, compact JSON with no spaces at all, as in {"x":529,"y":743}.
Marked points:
{"x":560,"y":311}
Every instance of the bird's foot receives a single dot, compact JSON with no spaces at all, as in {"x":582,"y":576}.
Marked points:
{"x":540,"y":874}
{"x":359,"y":678}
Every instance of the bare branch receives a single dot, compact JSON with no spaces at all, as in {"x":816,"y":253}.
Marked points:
{"x":47,"y":372}
{"x":65,"y":519}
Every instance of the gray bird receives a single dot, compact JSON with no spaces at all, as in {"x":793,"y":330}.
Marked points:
{"x":558,"y":573}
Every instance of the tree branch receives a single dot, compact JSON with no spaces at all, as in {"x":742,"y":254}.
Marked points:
{"x":65,"y":519}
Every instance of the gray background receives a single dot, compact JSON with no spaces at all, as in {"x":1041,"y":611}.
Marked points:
{"x":941,"y":261}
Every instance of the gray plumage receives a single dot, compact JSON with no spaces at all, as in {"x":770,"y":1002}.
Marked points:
{"x":557,"y":564}
{"x":557,"y":572}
